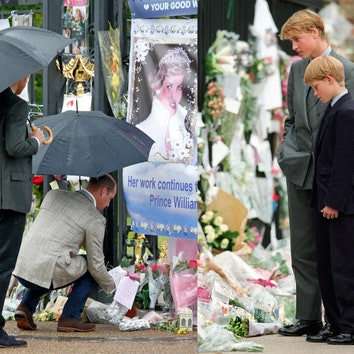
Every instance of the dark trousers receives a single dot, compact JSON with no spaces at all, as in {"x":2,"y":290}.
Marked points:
{"x":76,"y":299}
{"x":12,"y":225}
{"x":335,"y":245}
{"x":303,"y":253}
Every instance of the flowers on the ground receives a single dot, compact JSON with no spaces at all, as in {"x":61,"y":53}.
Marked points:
{"x":217,"y":233}
{"x":253,"y":237}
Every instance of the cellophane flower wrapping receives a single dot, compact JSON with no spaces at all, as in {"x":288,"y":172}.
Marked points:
{"x":183,"y":283}
{"x":133,"y":324}
{"x":156,"y":283}
{"x":215,"y":338}
{"x":115,"y":312}
{"x":112,"y":68}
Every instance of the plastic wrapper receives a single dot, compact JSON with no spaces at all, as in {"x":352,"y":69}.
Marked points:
{"x":337,"y":26}
{"x":184,"y":288}
{"x":112,"y":68}
{"x":133,"y":324}
{"x":115,"y":312}
{"x":258,"y":329}
{"x":152,"y":316}
{"x":236,"y":267}
{"x":155,"y":287}
{"x":216,"y":338}
{"x":97,"y":312}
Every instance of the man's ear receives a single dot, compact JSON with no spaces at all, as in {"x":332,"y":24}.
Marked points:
{"x":330,"y":78}
{"x":315,"y":32}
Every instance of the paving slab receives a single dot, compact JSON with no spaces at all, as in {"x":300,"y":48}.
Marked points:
{"x":106,"y":339}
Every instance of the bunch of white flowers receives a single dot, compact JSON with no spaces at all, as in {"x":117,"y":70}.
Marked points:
{"x":217,"y":233}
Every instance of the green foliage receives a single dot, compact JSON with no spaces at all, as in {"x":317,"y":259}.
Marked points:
{"x":238,"y":326}
{"x":142,"y":298}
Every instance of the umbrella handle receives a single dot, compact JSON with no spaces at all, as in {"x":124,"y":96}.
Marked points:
{"x":48,"y":130}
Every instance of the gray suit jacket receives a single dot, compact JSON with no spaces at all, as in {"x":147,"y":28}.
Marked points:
{"x":49,"y":252}
{"x":16,"y":150}
{"x":295,"y":153}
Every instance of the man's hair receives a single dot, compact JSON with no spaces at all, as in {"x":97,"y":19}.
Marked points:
{"x":322,"y":66}
{"x":106,"y":181}
{"x":302,"y":21}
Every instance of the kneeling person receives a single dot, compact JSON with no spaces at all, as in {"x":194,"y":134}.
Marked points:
{"x":49,"y":258}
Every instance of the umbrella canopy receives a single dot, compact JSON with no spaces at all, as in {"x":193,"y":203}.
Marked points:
{"x":25,"y":50}
{"x":89,"y":143}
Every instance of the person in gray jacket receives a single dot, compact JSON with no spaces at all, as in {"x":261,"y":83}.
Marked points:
{"x":49,"y":255}
{"x":305,"y":29}
{"x":17,"y":146}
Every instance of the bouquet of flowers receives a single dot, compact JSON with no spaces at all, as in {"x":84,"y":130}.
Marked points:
{"x":112,"y":68}
{"x":253,"y":237}
{"x":221,"y":57}
{"x":158,"y":276}
{"x":260,"y":69}
{"x":183,"y":282}
{"x":218,"y":235}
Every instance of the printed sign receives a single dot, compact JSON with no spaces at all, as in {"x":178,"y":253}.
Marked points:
{"x":160,"y":8}
{"x":162,"y":198}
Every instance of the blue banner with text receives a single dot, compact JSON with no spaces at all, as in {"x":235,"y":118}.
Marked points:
{"x":160,"y":8}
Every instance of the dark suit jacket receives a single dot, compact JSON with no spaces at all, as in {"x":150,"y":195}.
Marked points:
{"x":295,"y":153}
{"x":16,"y":150}
{"x":334,"y":156}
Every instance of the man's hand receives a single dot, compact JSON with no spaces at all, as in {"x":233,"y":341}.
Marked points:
{"x":329,"y":212}
{"x":38,"y":133}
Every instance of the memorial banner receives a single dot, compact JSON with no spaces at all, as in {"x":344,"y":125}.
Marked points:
{"x":162,"y":199}
{"x":161,"y":8}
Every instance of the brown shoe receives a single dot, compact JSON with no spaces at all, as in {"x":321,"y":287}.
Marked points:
{"x":74,"y":325}
{"x":24,"y":318}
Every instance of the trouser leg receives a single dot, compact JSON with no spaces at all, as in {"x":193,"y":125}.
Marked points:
{"x":78,"y":296}
{"x":11,"y":230}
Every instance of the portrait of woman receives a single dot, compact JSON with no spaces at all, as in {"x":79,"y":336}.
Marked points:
{"x":167,"y":121}
{"x":78,"y":31}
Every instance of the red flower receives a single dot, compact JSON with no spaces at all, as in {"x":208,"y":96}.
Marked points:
{"x":193,"y":263}
{"x":37,"y":180}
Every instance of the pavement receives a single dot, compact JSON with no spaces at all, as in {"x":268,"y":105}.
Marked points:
{"x":108,"y":339}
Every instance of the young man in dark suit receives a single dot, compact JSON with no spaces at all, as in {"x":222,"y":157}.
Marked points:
{"x":306,"y":31}
{"x":333,"y":196}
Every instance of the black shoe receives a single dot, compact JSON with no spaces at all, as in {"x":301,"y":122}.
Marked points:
{"x":342,"y":338}
{"x":7,"y":341}
{"x":321,"y":336}
{"x":300,"y":328}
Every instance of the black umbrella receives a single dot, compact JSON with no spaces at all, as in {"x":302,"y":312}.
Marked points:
{"x":89,"y":143}
{"x":25,"y":50}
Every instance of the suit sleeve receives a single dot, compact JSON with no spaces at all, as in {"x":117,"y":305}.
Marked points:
{"x":95,"y":258}
{"x":290,"y":120}
{"x":17,"y":142}
{"x":340,"y":190}
{"x":349,"y":77}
